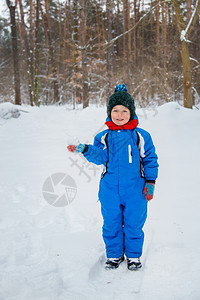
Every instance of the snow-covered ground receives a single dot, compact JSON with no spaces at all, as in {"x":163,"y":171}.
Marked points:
{"x":56,"y":253}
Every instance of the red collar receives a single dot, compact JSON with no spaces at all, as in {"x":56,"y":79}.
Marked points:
{"x":130,"y":125}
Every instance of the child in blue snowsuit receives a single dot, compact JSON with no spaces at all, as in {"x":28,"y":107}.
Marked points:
{"x":127,"y":182}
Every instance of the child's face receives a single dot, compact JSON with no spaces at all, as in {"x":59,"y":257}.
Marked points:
{"x":120,"y":115}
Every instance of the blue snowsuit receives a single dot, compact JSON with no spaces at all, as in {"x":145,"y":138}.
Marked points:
{"x":129,"y":158}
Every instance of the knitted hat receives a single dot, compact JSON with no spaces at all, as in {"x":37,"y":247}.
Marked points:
{"x":121,"y":97}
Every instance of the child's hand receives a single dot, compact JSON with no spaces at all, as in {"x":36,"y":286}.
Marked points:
{"x":78,"y":149}
{"x":149,"y":190}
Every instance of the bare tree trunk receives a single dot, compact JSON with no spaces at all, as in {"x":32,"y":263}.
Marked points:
{"x":31,"y":42}
{"x":97,"y":22}
{"x":60,"y":43}
{"x":75,"y":53}
{"x":20,"y":38}
{"x":188,"y":4}
{"x":119,"y":46}
{"x":47,"y":28}
{"x":28,"y":56}
{"x":129,"y":34}
{"x":185,"y":29}
{"x":151,"y":24}
{"x":12,"y":9}
{"x":142,"y":28}
{"x":36,"y":62}
{"x":66,"y":47}
{"x":164,"y":36}
{"x":135,"y":33}
{"x":187,"y":75}
{"x":110,"y":49}
{"x":124,"y":30}
{"x":47,"y":46}
{"x":126,"y":15}
{"x":158,"y":32}
{"x":83,"y":30}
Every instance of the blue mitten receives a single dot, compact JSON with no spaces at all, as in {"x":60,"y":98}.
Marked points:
{"x":149,"y":190}
{"x":80,"y":148}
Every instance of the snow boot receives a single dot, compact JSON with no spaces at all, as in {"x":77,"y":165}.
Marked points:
{"x":133,"y":264}
{"x":113,"y":263}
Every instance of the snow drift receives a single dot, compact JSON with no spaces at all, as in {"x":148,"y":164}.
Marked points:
{"x":57,"y":253}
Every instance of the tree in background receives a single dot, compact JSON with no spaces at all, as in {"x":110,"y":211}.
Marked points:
{"x":76,"y":51}
{"x":83,"y":34}
{"x":185,"y":27}
{"x":12,"y":9}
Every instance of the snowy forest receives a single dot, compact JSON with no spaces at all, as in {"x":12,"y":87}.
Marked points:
{"x":59,"y":63}
{"x":54,"y":51}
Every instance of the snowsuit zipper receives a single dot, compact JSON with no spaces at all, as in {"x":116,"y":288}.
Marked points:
{"x":129,"y":154}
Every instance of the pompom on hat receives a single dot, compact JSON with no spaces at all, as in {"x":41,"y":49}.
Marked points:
{"x":121,"y":97}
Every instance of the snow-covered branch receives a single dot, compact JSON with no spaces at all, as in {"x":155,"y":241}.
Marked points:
{"x":185,"y":32}
{"x":110,"y":43}
{"x":193,"y":59}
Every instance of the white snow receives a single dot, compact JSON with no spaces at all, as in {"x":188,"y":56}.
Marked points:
{"x":56,"y":253}
{"x":4,"y":11}
{"x":8,"y":110}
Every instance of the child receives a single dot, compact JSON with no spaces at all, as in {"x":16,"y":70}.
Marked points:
{"x":127,"y":182}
